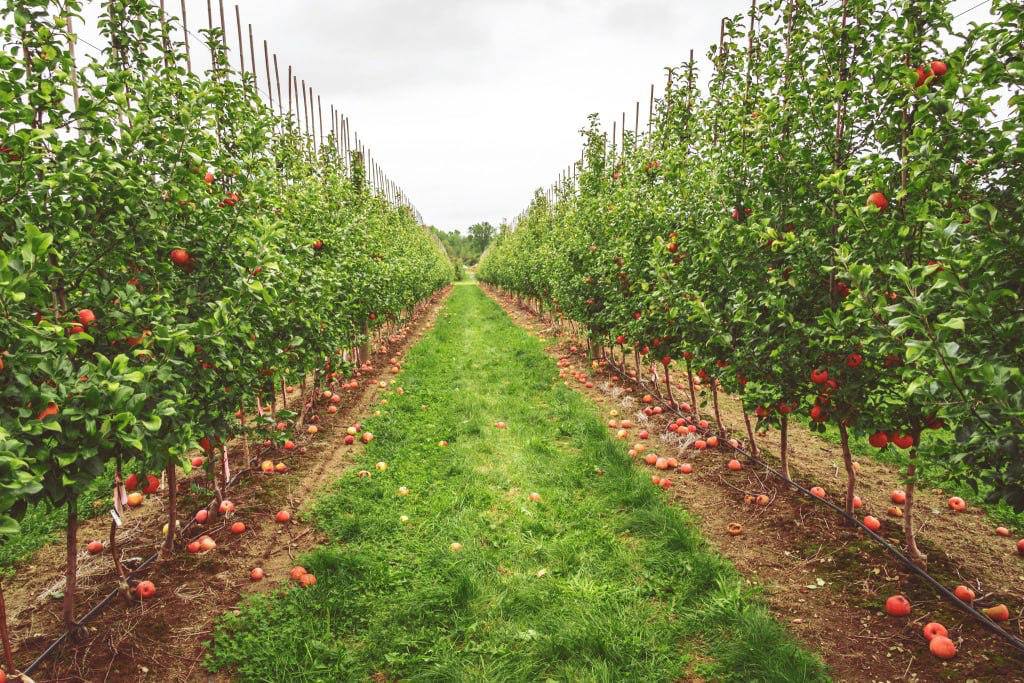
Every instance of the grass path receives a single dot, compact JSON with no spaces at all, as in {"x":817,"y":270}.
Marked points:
{"x":598,"y":581}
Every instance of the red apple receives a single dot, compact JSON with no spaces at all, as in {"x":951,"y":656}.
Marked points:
{"x":897,"y":606}
{"x":152,"y":484}
{"x":145,"y":590}
{"x":942,"y":647}
{"x":879,"y":439}
{"x":180,"y":258}
{"x":999,"y":612}
{"x":964,"y":593}
{"x":878,"y":200}
{"x":933,"y":629}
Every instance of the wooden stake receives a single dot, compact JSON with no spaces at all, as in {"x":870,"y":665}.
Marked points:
{"x":252,"y":60}
{"x":277,"y":77}
{"x":289,"y":87}
{"x":270,"y":89}
{"x":636,"y":124}
{"x":305,"y":107}
{"x":74,"y":68}
{"x":184,"y":30}
{"x":241,"y":45}
{"x":320,"y":115}
{"x":209,"y":16}
{"x":223,"y":26}
{"x":650,"y":111}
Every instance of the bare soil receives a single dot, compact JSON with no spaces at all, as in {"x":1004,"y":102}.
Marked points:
{"x":826,"y":580}
{"x":163,"y":639}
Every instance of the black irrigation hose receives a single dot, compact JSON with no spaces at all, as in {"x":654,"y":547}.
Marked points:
{"x":98,"y":607}
{"x":91,"y":614}
{"x":1014,"y":642}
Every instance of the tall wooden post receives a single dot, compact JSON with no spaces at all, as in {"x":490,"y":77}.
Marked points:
{"x":241,"y":44}
{"x":184,"y":30}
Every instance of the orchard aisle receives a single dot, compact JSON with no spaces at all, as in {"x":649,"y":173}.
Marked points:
{"x":598,"y":579}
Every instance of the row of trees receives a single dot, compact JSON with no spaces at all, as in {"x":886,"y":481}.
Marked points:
{"x":172,"y":250}
{"x":831,"y":227}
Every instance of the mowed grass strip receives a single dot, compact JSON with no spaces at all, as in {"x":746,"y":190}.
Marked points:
{"x":600,"y":580}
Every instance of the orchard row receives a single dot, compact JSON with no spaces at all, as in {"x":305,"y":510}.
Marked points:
{"x":831,"y":229}
{"x":172,"y":253}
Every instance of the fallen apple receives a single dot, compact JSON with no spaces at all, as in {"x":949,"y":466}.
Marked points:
{"x":897,"y":606}
{"x":933,"y":629}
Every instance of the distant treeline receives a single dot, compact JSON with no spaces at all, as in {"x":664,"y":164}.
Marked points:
{"x":465,"y":249}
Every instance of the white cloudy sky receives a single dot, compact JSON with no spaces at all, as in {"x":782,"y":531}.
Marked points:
{"x":472,"y":104}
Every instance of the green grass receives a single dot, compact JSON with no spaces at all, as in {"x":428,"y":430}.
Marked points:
{"x":600,"y":581}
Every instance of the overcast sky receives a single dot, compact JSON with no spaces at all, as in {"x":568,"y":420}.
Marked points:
{"x":470,"y":105}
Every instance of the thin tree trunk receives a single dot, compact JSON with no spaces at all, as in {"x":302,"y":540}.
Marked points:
{"x":851,"y":475}
{"x":783,"y":452}
{"x":718,"y":414}
{"x":118,"y":567}
{"x":750,"y":431}
{"x":918,"y":557}
{"x":71,"y":568}
{"x":172,"y":507}
{"x":5,"y":635}
{"x":668,"y":386}
{"x":693,"y":391}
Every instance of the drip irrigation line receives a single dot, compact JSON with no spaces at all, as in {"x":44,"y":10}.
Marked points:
{"x":98,"y":607}
{"x":989,"y":625}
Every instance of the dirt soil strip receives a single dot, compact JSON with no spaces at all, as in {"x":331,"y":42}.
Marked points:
{"x":826,"y":580}
{"x":163,"y":639}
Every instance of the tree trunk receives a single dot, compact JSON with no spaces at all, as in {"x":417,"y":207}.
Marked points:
{"x":172,"y":508}
{"x":71,"y":568}
{"x":915,"y":554}
{"x":851,"y":475}
{"x":783,"y":453}
{"x":750,"y":431}
{"x":718,"y":414}
{"x":668,"y":386}
{"x":5,"y":635}
{"x":693,"y":392}
{"x":113,"y":550}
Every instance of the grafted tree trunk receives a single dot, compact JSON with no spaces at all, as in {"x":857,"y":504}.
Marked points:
{"x":71,"y":567}
{"x":172,"y":507}
{"x":693,"y":391}
{"x":910,"y":535}
{"x":851,"y":474}
{"x":783,"y":447}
